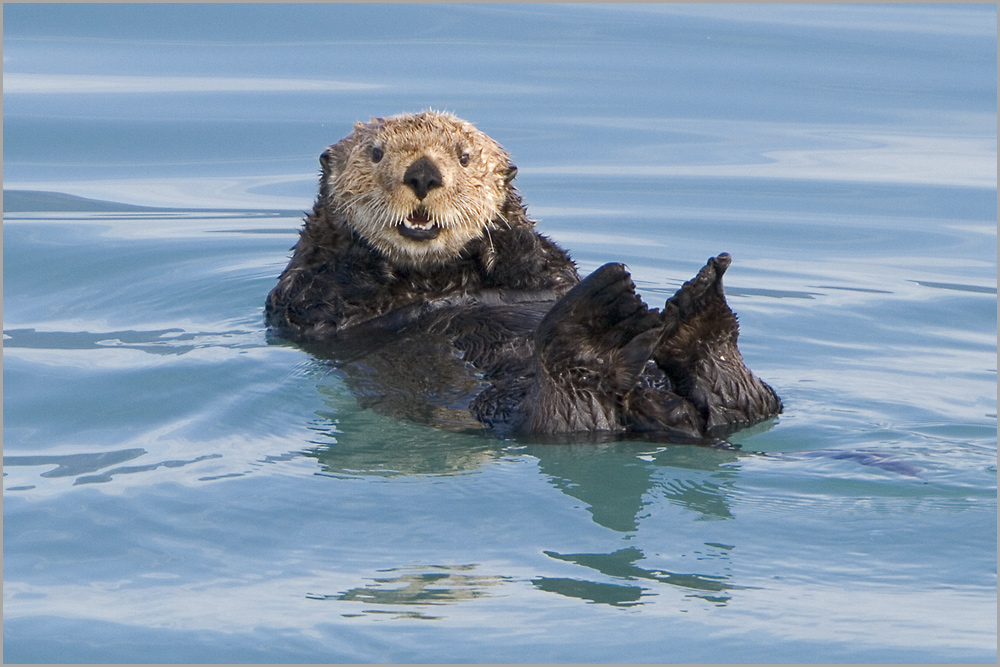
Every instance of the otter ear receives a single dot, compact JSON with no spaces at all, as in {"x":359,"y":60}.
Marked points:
{"x":333,"y":161}
{"x":511,"y":174}
{"x":334,"y":158}
{"x":325,"y":157}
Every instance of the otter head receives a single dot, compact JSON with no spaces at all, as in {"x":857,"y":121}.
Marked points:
{"x":418,"y":187}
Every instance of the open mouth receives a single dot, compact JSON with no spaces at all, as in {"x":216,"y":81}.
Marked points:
{"x":418,"y":226}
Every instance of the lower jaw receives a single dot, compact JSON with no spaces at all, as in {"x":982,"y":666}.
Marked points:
{"x":401,"y":249}
{"x":419,"y":234}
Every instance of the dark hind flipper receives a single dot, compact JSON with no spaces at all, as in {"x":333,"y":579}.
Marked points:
{"x":653,"y":408}
{"x":590,"y":349}
{"x":699,"y":354}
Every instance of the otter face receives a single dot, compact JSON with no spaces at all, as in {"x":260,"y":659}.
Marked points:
{"x":417,"y":187}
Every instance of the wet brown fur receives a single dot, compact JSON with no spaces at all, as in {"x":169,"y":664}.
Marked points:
{"x":419,"y":260}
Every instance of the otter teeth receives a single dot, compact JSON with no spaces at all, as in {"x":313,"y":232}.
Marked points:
{"x":419,"y":219}
{"x":417,"y":224}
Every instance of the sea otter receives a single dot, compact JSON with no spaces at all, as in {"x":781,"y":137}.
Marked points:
{"x":419,"y":272}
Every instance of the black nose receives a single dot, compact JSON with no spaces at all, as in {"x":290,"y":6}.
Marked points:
{"x":422,"y":176}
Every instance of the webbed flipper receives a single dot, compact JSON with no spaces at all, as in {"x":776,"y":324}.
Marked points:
{"x":590,"y":350}
{"x":699,"y":354}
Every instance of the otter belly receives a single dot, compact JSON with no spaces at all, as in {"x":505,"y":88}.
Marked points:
{"x":596,"y":360}
{"x":431,"y":364}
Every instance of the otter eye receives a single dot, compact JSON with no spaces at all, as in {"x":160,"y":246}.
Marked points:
{"x":463,"y":159}
{"x":376,"y":154}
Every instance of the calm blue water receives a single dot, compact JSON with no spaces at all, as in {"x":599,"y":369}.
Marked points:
{"x":179,"y":488}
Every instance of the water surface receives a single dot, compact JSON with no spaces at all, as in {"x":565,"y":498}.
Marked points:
{"x":179,"y":486}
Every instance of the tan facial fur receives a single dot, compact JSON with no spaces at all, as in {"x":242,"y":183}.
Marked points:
{"x":375,"y":177}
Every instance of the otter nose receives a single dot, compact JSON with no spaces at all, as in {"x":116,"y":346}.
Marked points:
{"x":422,"y":177}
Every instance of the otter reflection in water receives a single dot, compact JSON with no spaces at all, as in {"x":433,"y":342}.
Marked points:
{"x":420,"y":272}
{"x":639,"y":497}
